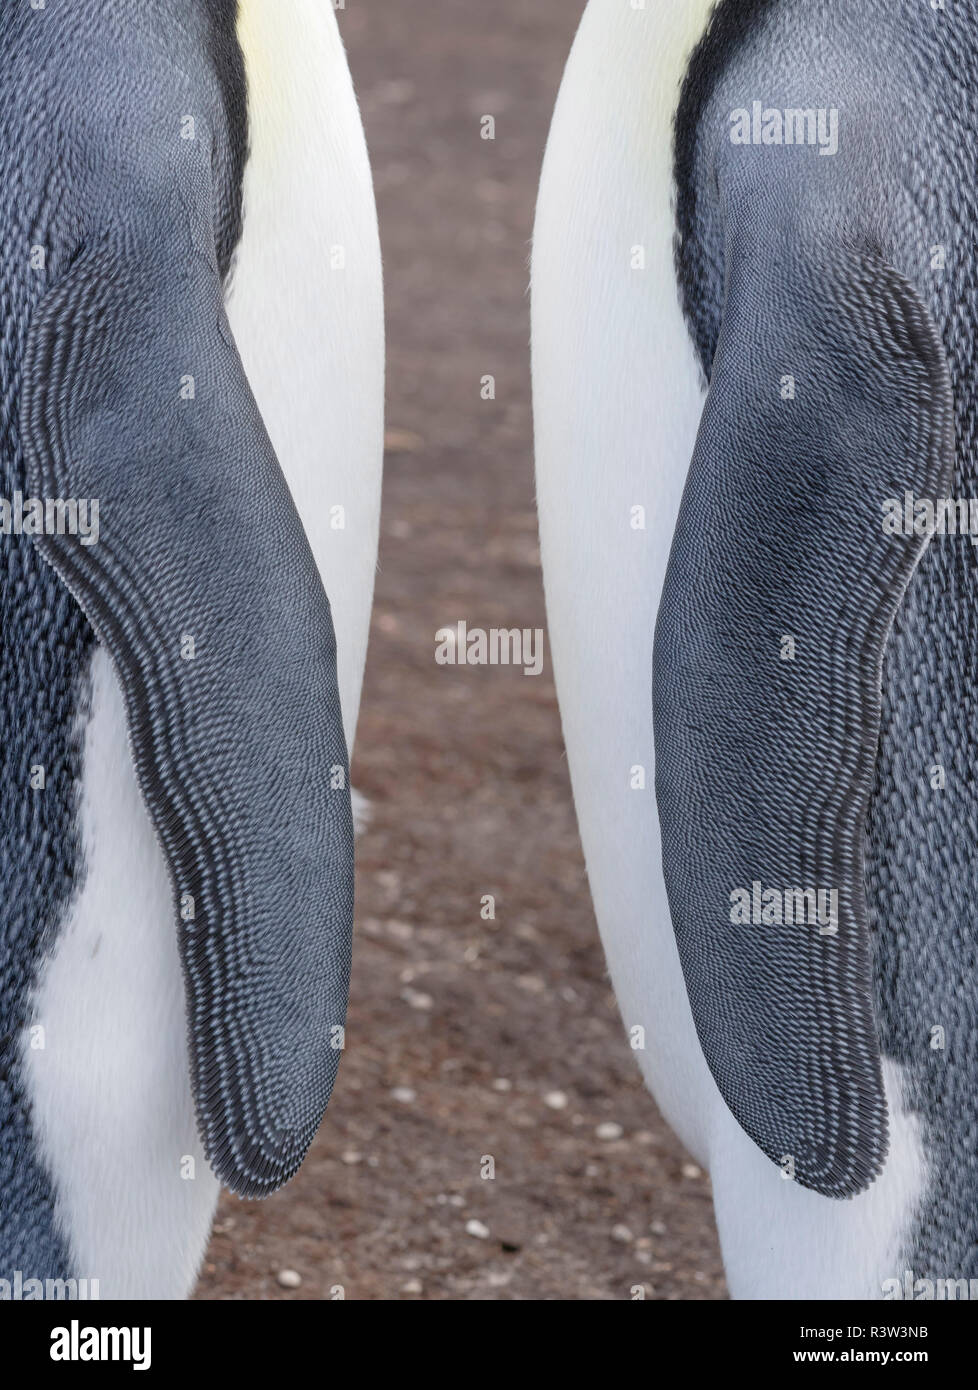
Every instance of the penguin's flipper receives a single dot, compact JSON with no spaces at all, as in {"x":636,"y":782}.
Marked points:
{"x":202,"y":586}
{"x":829,"y":395}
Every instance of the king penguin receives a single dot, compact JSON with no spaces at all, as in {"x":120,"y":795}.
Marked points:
{"x":755,"y":319}
{"x":192,"y":357}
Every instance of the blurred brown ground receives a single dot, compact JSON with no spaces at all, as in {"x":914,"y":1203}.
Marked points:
{"x":471,"y":1023}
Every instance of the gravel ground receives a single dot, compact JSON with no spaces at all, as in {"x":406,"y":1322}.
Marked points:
{"x":469,"y":1040}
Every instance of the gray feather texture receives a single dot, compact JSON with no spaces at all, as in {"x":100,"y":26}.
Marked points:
{"x":236,"y":735}
{"x":904,"y":79}
{"x":764,"y":767}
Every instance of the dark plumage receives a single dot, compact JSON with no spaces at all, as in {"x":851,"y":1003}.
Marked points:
{"x":819,"y":238}
{"x":122,"y":146}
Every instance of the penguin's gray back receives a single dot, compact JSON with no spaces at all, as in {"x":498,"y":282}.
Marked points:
{"x":903,"y":78}
{"x":65,"y":161}
{"x":123,"y":141}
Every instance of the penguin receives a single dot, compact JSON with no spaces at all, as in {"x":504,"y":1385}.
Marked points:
{"x":754,"y":323}
{"x":191,"y":437}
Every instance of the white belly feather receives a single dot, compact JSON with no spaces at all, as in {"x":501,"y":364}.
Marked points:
{"x":617,"y":403}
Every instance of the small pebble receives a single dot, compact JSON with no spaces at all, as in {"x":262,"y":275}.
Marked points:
{"x":404,"y":1094}
{"x":557,"y":1100}
{"x":351,"y":1156}
{"x":477,"y":1229}
{"x":289,"y":1279}
{"x":692,"y":1170}
{"x":622,"y":1233}
{"x":412,"y":1286}
{"x":402,"y":442}
{"x":502,"y":1083}
{"x":609,"y":1131}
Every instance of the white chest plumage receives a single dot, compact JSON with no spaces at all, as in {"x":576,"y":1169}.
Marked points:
{"x":110,"y":1090}
{"x":306,"y":302}
{"x":617,"y":403}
